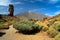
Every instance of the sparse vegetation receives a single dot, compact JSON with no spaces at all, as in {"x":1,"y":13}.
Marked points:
{"x":56,"y":26}
{"x":45,"y":28}
{"x":52,"y":33}
{"x":27,"y":26}
{"x":2,"y":21}
{"x":3,"y":24}
{"x":5,"y":21}
{"x":57,"y":37}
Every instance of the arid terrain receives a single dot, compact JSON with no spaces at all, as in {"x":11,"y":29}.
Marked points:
{"x":29,"y":20}
{"x":48,"y":28}
{"x":12,"y":35}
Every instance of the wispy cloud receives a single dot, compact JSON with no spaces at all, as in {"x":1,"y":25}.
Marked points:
{"x":1,"y":8}
{"x":53,"y":1}
{"x":48,"y":1}
{"x":39,"y":0}
{"x":44,"y":10}
{"x":7,"y":2}
{"x":4,"y":12}
{"x":39,"y":9}
{"x":58,"y":6}
{"x":33,"y":1}
{"x":16,"y":3}
{"x":19,"y":8}
{"x":48,"y":14}
{"x":57,"y":12}
{"x":4,"y":2}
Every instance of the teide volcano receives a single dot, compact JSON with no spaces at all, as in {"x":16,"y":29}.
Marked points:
{"x":31,"y":15}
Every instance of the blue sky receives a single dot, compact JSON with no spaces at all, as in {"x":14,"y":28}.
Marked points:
{"x":47,"y":7}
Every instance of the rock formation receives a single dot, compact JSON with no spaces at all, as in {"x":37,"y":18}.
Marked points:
{"x":11,"y":10}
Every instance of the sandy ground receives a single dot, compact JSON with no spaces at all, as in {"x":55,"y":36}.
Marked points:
{"x":12,"y":35}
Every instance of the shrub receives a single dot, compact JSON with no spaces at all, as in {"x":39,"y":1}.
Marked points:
{"x":38,"y":23}
{"x":52,"y":33}
{"x":57,"y":37}
{"x":45,"y":28}
{"x":2,"y":21}
{"x":26,"y":26}
{"x":4,"y":26}
{"x":56,"y":26}
{"x":51,"y":22}
{"x":43,"y":25}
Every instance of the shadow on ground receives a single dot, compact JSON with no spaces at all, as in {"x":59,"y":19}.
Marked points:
{"x":2,"y":33}
{"x":32,"y":32}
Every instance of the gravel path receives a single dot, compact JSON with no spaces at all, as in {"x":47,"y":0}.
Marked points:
{"x":12,"y":35}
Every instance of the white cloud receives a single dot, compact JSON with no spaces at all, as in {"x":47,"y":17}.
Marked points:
{"x":17,"y":3}
{"x":44,"y":9}
{"x":40,"y":0}
{"x":4,"y":12}
{"x":53,"y":1}
{"x":48,"y":14}
{"x":1,"y":8}
{"x":4,"y":2}
{"x":25,"y":0}
{"x":55,"y":13}
{"x":39,"y":9}
{"x":21,"y":8}
{"x":32,"y":1}
{"x":7,"y":2}
{"x":48,"y":1}
{"x":58,"y":6}
{"x":58,"y":12}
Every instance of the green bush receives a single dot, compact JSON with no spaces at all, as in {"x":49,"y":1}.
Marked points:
{"x":2,"y":21}
{"x":27,"y":26}
{"x":45,"y":28}
{"x":52,"y":33}
{"x":4,"y":25}
{"x":57,"y":37}
{"x":56,"y":26}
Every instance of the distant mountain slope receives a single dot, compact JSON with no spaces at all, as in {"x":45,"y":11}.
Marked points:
{"x":31,"y":15}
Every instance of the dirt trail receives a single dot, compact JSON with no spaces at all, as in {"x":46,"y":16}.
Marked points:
{"x":12,"y":35}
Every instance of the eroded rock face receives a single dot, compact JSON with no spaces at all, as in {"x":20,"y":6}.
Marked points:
{"x":11,"y":10}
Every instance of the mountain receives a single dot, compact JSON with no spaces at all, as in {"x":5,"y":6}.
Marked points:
{"x":31,"y":15}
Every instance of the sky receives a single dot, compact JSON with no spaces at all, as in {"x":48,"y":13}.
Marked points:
{"x":47,"y":7}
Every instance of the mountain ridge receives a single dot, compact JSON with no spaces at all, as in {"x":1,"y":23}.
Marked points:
{"x":32,"y":15}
